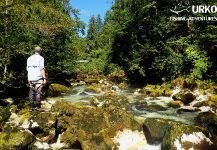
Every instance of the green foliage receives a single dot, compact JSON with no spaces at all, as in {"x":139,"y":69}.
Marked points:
{"x":150,"y":47}
{"x":199,"y":60}
{"x":98,"y":60}
{"x":25,"y":24}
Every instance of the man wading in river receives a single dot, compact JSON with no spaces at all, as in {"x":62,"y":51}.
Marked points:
{"x":36,"y":78}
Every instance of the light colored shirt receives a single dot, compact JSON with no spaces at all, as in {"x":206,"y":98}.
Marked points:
{"x":35,"y":64}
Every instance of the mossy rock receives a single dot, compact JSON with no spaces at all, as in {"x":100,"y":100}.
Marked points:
{"x":155,"y":107}
{"x":93,"y":88}
{"x":208,"y":120}
{"x":110,"y":94}
{"x":92,"y":127}
{"x":213,"y":98}
{"x":56,"y":89}
{"x":117,"y":76}
{"x":176,"y":104}
{"x":154,"y":130}
{"x":157,"y":90}
{"x":45,"y":120}
{"x":209,"y":103}
{"x":24,"y":116}
{"x":175,"y":137}
{"x":15,"y":138}
{"x":4,"y":113}
{"x":212,"y":89}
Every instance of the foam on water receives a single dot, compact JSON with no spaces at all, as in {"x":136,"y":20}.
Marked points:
{"x":133,"y":140}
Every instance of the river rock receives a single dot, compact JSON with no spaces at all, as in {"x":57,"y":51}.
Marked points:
{"x":43,"y":125}
{"x":88,"y":127}
{"x":176,"y":103}
{"x":4,"y":114}
{"x":208,"y":120}
{"x":155,"y":107}
{"x":182,"y":136}
{"x":141,"y":105}
{"x":187,"y":109}
{"x":15,"y":138}
{"x":207,"y":104}
{"x":154,"y":130}
{"x":56,"y":89}
{"x":185,"y":96}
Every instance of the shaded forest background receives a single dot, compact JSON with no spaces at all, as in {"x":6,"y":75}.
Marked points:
{"x":135,"y":38}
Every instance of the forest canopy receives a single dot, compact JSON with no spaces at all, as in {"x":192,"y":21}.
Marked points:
{"x":136,"y":37}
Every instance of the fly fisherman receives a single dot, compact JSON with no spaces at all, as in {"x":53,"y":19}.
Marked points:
{"x":36,"y":78}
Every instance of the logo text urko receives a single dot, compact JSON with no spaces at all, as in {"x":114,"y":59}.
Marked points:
{"x":204,"y":9}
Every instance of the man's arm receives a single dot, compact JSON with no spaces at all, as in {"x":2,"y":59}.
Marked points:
{"x":43,"y":76}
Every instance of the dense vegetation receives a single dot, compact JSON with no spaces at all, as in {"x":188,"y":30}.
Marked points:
{"x":136,"y":36}
{"x":52,"y":24}
{"x":150,"y":47}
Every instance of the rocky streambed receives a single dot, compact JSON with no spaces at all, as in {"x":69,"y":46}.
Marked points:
{"x":104,"y":115}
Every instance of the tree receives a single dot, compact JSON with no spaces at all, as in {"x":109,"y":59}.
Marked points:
{"x":99,"y":23}
{"x":92,"y":34}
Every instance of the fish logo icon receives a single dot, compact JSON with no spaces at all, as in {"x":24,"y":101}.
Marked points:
{"x":178,"y":9}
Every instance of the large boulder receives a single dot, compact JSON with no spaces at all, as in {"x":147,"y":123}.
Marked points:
{"x":209,"y":121}
{"x":154,"y":130}
{"x":56,"y":89}
{"x":185,"y":96}
{"x":175,"y":135}
{"x":15,"y":138}
{"x":43,"y":125}
{"x":183,"y":136}
{"x":87,"y":127}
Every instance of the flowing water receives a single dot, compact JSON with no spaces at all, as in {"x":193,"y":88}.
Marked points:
{"x":155,"y":107}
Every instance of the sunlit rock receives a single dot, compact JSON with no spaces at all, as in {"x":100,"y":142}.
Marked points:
{"x":26,"y":124}
{"x":15,"y":138}
{"x":14,"y":119}
{"x":182,"y":136}
{"x":56,"y":89}
{"x":195,"y":140}
{"x":92,"y":128}
{"x":185,"y":96}
{"x":176,"y":103}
